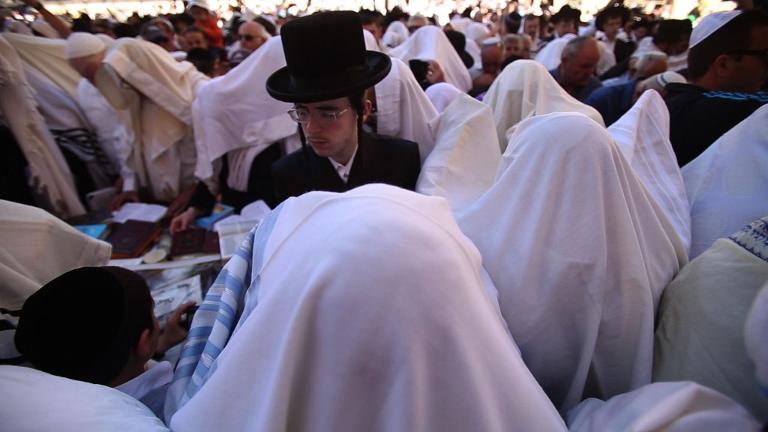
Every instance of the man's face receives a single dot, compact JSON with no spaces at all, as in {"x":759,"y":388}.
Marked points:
{"x":513,"y":47}
{"x":679,"y":46}
{"x":86,"y":66}
{"x":199,"y":13}
{"x":564,"y":27}
{"x":531,"y":27}
{"x":375,"y":29}
{"x":329,"y":137}
{"x":611,"y":27}
{"x":491,"y":58}
{"x":196,"y":40}
{"x":747,"y":72}
{"x":577,"y":69}
{"x":251,"y":37}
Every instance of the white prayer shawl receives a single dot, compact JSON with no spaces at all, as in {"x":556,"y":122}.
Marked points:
{"x":726,"y":184}
{"x":430,"y":43}
{"x":463,"y":164}
{"x":755,"y":330}
{"x":524,"y":89}
{"x":607,"y":58}
{"x":441,"y":95}
{"x":50,"y":177}
{"x":578,"y":253}
{"x":115,"y":139}
{"x":672,"y":406}
{"x":473,"y":49}
{"x":370,"y":41}
{"x":476,"y":31}
{"x":38,"y":247}
{"x":47,"y":56}
{"x":403,"y":110}
{"x":375,"y":339}
{"x":396,"y":34}
{"x":642,"y":135}
{"x":460,"y":23}
{"x":163,"y":152}
{"x":550,"y":55}
{"x":235,"y":111}
{"x":674,"y":62}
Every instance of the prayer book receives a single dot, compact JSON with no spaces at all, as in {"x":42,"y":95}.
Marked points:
{"x":170,"y":296}
{"x":132,"y":238}
{"x":139,"y":212}
{"x":194,"y":241}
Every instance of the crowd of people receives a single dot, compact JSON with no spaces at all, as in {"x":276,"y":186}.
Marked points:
{"x":500,"y":222}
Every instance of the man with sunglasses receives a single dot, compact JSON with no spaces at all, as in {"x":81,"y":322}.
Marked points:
{"x":727,"y":68}
{"x":327,"y":76}
{"x":252,"y":35}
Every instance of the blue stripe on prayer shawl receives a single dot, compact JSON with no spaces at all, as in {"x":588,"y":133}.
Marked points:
{"x":216,"y":319}
{"x":739,"y":96}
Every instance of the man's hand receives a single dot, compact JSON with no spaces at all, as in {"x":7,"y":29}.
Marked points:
{"x":122,"y":198}
{"x":184,"y":220}
{"x":435,"y":73}
{"x":174,"y":332}
{"x":180,"y":203}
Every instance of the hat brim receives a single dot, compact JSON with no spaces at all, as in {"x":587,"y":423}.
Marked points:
{"x":467,"y":59}
{"x":283,"y":87}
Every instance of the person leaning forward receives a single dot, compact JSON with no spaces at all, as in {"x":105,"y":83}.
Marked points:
{"x":328,"y":89}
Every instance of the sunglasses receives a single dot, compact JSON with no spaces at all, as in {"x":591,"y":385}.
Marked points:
{"x":247,"y":37}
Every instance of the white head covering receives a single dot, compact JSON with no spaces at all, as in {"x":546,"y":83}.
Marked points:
{"x":395,"y":34}
{"x":47,"y":56}
{"x":81,"y":44}
{"x":669,"y":406}
{"x":370,"y":41}
{"x":524,"y":89}
{"x":385,"y":339}
{"x":642,"y":135}
{"x":19,"y":27}
{"x":550,"y":55}
{"x":463,"y":164}
{"x":460,"y":23}
{"x":199,"y":3}
{"x":442,"y":94}
{"x":107,"y":40}
{"x":726,"y":184}
{"x":755,"y":332}
{"x":235,"y":111}
{"x":403,"y":109}
{"x":476,"y":31}
{"x":710,"y":24}
{"x":572,"y":241}
{"x":42,"y":27}
{"x":431,"y":43}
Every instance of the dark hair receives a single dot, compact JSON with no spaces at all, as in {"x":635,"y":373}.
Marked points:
{"x":371,"y":17}
{"x":736,"y":34}
{"x":672,"y":30}
{"x":122,"y":30}
{"x":609,"y":13}
{"x":203,"y":59}
{"x":357,"y":100}
{"x":268,"y":25}
{"x":512,"y":22}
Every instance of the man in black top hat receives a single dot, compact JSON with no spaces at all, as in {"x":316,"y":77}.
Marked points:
{"x":327,"y":74}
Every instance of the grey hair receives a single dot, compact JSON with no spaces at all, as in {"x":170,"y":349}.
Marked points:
{"x":575,"y":45}
{"x":643,"y":60}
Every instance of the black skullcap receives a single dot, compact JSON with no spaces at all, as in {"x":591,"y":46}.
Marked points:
{"x":83,"y":324}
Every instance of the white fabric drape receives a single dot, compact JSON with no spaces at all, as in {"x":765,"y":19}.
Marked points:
{"x":550,"y":55}
{"x":371,"y":44}
{"x":441,"y":95}
{"x":673,"y":406}
{"x":524,"y":89}
{"x":403,"y":110}
{"x":50,"y":177}
{"x":579,"y":256}
{"x":726,"y":184}
{"x":642,"y":135}
{"x":38,"y":247}
{"x":376,"y":339}
{"x":430,"y":43}
{"x":47,"y":56}
{"x":395,"y":34}
{"x":755,"y":330}
{"x":235,"y":111}
{"x":476,"y":31}
{"x":463,"y":164}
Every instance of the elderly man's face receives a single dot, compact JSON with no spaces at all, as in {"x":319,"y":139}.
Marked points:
{"x":513,"y":47}
{"x":196,"y":39}
{"x":577,"y":70}
{"x":251,"y":35}
{"x":491,"y":58}
{"x":531,"y":27}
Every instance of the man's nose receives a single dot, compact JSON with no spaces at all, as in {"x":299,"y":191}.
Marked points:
{"x":312,"y":125}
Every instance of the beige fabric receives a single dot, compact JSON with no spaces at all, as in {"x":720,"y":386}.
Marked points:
{"x":48,"y":57}
{"x":525,"y":89}
{"x":700,"y":336}
{"x":51,"y":178}
{"x":36,"y":248}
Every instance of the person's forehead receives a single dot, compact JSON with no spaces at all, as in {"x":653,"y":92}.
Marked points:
{"x":248,"y":27}
{"x":339,"y":103}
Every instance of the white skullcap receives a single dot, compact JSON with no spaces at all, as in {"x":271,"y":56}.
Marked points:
{"x":710,"y":24}
{"x":106,"y":39}
{"x":199,"y":3}
{"x":80,"y":44}
{"x":756,"y":335}
{"x":668,"y":77}
{"x":45,"y":29}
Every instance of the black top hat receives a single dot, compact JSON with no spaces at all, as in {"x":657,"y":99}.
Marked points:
{"x":326,"y":59}
{"x":459,"y":42}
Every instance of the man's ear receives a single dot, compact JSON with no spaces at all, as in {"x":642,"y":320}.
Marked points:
{"x":367,"y":108}
{"x":722,"y":65}
{"x":144,"y":348}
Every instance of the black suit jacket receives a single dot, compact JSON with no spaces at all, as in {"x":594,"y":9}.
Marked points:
{"x":378,"y":160}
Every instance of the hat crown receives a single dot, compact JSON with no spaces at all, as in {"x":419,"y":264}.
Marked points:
{"x":324,"y":44}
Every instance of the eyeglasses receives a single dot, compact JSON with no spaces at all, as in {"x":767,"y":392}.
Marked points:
{"x":302,"y":116}
{"x":247,"y":37}
{"x":759,"y":53}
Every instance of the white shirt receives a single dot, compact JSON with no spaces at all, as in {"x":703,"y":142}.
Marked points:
{"x":343,"y":170}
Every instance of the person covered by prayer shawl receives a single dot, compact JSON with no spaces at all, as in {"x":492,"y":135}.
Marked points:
{"x":327,"y":74}
{"x":382,"y":339}
{"x":576,"y":73}
{"x":727,"y":68}
{"x":97,"y":325}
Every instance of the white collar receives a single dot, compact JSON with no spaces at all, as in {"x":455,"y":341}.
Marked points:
{"x":343,"y":170}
